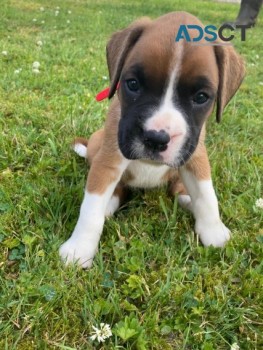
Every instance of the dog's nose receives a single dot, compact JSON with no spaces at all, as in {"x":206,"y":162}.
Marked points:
{"x":156,"y":140}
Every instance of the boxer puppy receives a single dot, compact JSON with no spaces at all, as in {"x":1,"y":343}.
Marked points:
{"x":155,"y":128}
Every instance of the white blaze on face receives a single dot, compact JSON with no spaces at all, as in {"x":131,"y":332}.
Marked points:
{"x":169,"y":118}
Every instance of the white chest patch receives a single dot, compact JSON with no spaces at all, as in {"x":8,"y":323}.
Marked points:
{"x":146,"y":174}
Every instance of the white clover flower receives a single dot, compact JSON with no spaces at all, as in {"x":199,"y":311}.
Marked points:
{"x":257,"y":57}
{"x":261,"y":83}
{"x":104,"y":77}
{"x":56,"y":13}
{"x":101,"y":334}
{"x":234,"y":346}
{"x":259,"y":203}
{"x":36,"y":65}
{"x":4,"y":53}
{"x":68,"y":21}
{"x":57,"y":8}
{"x":39,"y":43}
{"x":35,"y":71}
{"x":34,"y":20}
{"x":42,"y":22}
{"x":93,"y":69}
{"x":42,"y":9}
{"x":69,"y":12}
{"x":17,"y":71}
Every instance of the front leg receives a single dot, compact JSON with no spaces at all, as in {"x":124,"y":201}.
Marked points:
{"x":104,"y":176}
{"x":196,"y":176}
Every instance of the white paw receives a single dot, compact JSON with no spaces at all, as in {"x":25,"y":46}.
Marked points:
{"x":80,"y":149}
{"x":185,"y":201}
{"x":215,"y":234}
{"x":112,"y":206}
{"x":80,"y":251}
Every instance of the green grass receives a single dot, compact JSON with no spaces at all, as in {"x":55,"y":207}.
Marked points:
{"x":152,"y":281}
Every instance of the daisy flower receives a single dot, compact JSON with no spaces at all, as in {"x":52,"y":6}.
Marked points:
{"x":36,"y":65}
{"x":259,"y":203}
{"x":101,"y":333}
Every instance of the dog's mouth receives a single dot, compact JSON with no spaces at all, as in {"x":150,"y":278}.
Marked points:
{"x":172,"y":152}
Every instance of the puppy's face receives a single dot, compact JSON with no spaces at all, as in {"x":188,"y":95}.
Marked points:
{"x":167,"y":91}
{"x":162,"y":114}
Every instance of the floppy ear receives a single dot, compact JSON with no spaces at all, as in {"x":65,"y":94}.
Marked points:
{"x":231,"y":73}
{"x":118,"y":48}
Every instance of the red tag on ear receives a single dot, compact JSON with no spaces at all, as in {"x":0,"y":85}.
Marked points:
{"x":105,"y":93}
{"x":102,"y":95}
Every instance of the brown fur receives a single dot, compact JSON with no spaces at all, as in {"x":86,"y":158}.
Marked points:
{"x":231,"y":73}
{"x":118,"y":47}
{"x":199,"y":164}
{"x":106,"y":160}
{"x":95,"y":143}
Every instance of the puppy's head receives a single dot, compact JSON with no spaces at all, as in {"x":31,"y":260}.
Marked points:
{"x":167,"y":88}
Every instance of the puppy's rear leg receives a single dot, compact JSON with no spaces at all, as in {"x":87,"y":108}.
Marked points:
{"x":176,"y":186}
{"x":89,"y":148}
{"x":80,"y":146}
{"x":118,"y":198}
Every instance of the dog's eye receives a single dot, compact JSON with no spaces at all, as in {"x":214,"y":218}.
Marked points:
{"x":133,"y":85}
{"x":200,"y":98}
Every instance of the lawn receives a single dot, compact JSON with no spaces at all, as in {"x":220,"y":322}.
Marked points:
{"x":152,"y":281}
